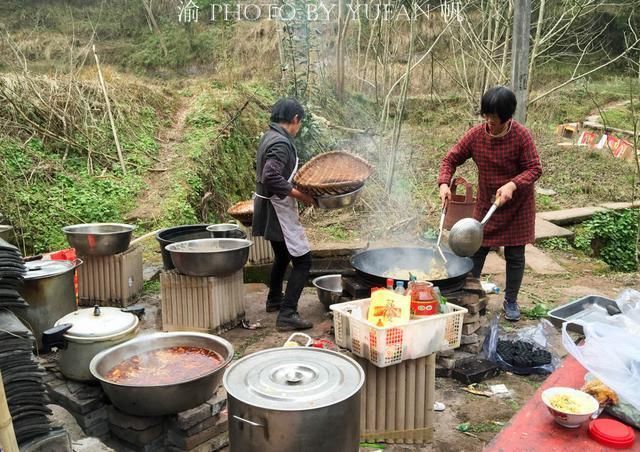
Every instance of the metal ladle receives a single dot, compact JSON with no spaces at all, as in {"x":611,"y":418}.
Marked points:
{"x":465,"y":237}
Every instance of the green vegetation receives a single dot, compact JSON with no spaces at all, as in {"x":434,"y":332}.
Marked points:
{"x":612,"y":237}
{"x":468,"y":427}
{"x":337,"y":232}
{"x":538,"y":311}
{"x":151,"y":287}
{"x":620,"y":117}
{"x":45,"y":187}
{"x":221,"y":138}
{"x":555,"y":243}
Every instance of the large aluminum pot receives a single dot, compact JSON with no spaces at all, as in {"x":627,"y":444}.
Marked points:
{"x":160,"y":400}
{"x":50,"y":291}
{"x":294,"y":399}
{"x":182,"y":234}
{"x":83,"y":334}
{"x":210,"y":257}
{"x":99,"y":239}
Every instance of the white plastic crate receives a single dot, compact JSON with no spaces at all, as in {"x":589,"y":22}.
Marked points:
{"x":386,"y":346}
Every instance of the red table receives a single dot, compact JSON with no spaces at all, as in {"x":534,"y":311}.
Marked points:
{"x":533,"y":429}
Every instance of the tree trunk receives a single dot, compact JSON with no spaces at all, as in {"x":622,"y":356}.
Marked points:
{"x":536,"y":43}
{"x":156,"y":28}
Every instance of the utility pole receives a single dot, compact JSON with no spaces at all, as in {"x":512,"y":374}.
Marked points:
{"x":520,"y":56}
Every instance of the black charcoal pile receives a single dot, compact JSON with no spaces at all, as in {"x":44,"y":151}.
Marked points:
{"x":522,"y":354}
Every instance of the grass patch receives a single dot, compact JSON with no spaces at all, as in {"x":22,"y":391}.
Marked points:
{"x":620,"y":117}
{"x":555,"y":243}
{"x":491,"y":426}
{"x":338,"y":232}
{"x":151,"y":287}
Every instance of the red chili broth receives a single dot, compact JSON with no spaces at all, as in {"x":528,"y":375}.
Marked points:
{"x":165,"y":366}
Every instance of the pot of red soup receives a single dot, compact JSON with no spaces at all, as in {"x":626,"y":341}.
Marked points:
{"x":162,"y":373}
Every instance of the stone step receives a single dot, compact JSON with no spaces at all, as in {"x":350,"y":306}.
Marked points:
{"x":580,"y":214}
{"x":546,"y":230}
{"x":569,"y":216}
{"x":540,"y":263}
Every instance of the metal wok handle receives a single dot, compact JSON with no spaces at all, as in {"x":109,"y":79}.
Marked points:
{"x":493,"y":208}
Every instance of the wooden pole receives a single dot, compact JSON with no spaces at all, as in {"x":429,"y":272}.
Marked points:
{"x":113,"y":124}
{"x":520,"y":56}
{"x":8,"y":441}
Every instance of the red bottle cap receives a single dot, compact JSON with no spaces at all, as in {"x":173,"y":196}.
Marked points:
{"x":611,"y":433}
{"x":389,"y":282}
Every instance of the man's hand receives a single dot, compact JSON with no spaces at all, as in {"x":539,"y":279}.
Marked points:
{"x":505,"y":193}
{"x":303,"y":197}
{"x":445,"y":194}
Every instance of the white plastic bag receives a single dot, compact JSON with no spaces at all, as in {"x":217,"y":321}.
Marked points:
{"x":612,"y":355}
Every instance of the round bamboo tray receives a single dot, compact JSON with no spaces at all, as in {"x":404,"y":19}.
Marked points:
{"x":243,"y":212}
{"x":333,"y":173}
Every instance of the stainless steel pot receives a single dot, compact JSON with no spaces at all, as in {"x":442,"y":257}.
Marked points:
{"x":209,"y":257}
{"x":339,"y":201}
{"x":99,"y":239}
{"x":329,"y":289}
{"x":294,"y":399}
{"x":50,"y":291}
{"x":223,"y":230}
{"x":159,"y":400}
{"x":83,"y":334}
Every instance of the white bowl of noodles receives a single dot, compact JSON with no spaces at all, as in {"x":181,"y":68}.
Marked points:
{"x":569,"y":407}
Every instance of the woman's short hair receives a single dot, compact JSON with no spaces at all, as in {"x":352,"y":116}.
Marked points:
{"x":500,"y":101}
{"x":285,"y":110}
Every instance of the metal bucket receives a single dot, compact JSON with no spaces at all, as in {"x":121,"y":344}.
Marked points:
{"x":50,"y":291}
{"x":294,"y":399}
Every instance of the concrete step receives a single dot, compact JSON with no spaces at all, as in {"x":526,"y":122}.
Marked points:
{"x":540,"y":263}
{"x":546,"y":230}
{"x":569,"y":216}
{"x":580,"y":214}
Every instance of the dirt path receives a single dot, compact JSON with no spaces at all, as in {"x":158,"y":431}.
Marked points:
{"x":159,"y":179}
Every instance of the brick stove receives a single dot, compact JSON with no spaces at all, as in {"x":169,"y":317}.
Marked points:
{"x":201,"y":429}
{"x":467,"y":293}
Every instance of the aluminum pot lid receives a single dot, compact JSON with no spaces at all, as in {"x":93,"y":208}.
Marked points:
{"x":47,"y":268}
{"x":109,"y":322}
{"x":293,"y":378}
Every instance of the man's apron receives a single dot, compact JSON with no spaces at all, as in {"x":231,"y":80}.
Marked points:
{"x":289,"y":218}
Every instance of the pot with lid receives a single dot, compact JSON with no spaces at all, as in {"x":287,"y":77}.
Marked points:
{"x":294,"y":399}
{"x":84,"y":333}
{"x":50,"y":291}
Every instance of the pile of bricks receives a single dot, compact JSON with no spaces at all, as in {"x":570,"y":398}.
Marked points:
{"x":200,"y":429}
{"x":474,"y":327}
{"x":85,"y":401}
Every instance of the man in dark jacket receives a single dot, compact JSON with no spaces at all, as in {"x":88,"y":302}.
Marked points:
{"x":275,"y":213}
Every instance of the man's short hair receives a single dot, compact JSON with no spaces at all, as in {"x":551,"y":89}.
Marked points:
{"x":500,"y":101}
{"x":285,"y":110}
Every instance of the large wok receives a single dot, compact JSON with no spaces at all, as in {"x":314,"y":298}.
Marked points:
{"x":161,"y":399}
{"x":371,"y":265}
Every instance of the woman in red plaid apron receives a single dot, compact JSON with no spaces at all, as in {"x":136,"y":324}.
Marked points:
{"x":508,"y":166}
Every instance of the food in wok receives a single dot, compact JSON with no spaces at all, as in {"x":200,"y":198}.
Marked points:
{"x":435,"y":273}
{"x":165,"y":366}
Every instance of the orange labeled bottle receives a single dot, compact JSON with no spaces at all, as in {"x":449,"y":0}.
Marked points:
{"x":424,"y":301}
